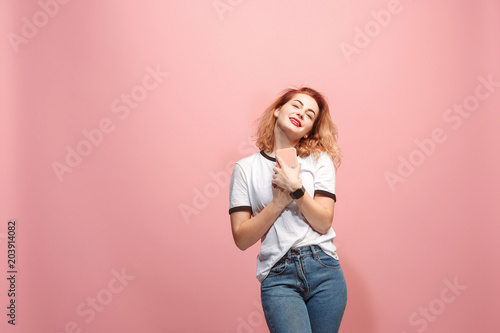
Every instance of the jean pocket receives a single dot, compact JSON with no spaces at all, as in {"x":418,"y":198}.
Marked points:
{"x":327,"y":261}
{"x":279,"y":267}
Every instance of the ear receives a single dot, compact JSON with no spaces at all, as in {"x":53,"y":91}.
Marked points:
{"x":276,"y":112}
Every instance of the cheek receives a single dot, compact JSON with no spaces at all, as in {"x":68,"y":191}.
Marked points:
{"x":309,"y":127}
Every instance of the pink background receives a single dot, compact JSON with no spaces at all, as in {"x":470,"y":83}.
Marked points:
{"x":150,"y":198}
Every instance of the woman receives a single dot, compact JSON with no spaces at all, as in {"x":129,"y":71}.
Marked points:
{"x":290,"y":209}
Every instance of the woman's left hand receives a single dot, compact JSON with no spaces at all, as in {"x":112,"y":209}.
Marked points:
{"x":286,"y":177}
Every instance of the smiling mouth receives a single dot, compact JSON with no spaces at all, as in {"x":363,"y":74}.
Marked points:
{"x":295,"y":122}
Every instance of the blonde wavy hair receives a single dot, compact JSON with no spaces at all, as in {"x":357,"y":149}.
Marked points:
{"x":321,"y":138}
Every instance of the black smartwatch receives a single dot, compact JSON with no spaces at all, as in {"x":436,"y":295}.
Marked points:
{"x":297,"y":194}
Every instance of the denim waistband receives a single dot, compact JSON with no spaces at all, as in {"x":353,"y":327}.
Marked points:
{"x":303,"y":251}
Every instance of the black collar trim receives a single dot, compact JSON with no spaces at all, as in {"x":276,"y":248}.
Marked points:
{"x":267,"y":156}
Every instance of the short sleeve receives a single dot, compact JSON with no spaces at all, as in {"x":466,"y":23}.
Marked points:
{"x":239,"y":198}
{"x":324,"y":179}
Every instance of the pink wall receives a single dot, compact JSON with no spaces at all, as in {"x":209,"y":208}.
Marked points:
{"x":133,"y":235}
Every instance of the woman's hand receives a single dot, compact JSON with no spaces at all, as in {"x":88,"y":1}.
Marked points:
{"x":287,"y":178}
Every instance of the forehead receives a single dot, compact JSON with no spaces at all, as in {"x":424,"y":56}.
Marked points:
{"x":308,"y":101}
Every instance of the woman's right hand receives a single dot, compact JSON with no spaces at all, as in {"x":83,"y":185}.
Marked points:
{"x":281,"y":197}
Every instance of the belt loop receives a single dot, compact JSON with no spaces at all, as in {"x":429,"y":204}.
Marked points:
{"x":314,"y":251}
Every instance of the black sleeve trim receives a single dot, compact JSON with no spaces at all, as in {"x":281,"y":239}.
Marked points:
{"x":326,"y":194}
{"x":240,"y":208}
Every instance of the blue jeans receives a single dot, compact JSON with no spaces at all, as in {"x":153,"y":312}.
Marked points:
{"x":304,"y":292}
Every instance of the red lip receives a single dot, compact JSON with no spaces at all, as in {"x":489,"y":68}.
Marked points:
{"x":295,"y":121}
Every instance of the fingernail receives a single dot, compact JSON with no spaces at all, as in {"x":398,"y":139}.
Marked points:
{"x":293,"y":166}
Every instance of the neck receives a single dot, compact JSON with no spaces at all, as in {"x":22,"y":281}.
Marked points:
{"x":281,"y":140}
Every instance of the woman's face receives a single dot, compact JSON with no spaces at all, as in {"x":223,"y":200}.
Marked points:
{"x":296,"y":117}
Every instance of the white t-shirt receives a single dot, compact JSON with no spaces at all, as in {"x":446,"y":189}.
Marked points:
{"x":251,"y":190}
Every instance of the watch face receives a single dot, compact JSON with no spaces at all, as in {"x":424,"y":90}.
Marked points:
{"x":298,"y":193}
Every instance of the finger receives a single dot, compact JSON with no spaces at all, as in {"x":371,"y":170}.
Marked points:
{"x":280,"y":161}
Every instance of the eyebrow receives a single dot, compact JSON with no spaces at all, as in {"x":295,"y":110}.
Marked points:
{"x":296,"y":100}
